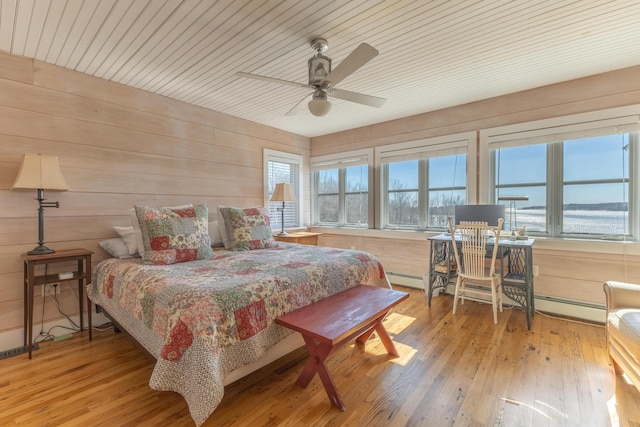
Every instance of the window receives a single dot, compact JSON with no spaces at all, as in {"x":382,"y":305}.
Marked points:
{"x":340,"y":186}
{"x":422,"y":181}
{"x":577,"y":177}
{"x":280,"y":167}
{"x":522,"y":171}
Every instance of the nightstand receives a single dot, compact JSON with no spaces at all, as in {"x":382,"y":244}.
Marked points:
{"x":302,"y":237}
{"x":82,"y":275}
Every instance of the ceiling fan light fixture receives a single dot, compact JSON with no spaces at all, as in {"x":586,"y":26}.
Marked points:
{"x":319,"y":106}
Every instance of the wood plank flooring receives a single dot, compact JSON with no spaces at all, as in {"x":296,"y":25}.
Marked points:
{"x":457,"y":370}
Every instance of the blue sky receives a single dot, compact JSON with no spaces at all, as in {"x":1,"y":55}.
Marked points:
{"x":597,"y":158}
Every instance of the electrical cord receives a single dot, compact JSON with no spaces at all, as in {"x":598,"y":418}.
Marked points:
{"x":47,"y":336}
{"x":42,"y":335}
{"x":55,"y":297}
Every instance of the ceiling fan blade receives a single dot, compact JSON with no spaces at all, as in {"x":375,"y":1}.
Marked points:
{"x":360,"y":98}
{"x":356,"y":59}
{"x":272,"y":80}
{"x":299,"y":106}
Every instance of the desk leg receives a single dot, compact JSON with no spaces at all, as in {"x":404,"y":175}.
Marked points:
{"x":80,"y":291}
{"x":430,"y":275}
{"x":26,"y":301}
{"x":30,"y":292}
{"x":87,"y":280}
{"x":318,"y":353}
{"x":531,"y":293}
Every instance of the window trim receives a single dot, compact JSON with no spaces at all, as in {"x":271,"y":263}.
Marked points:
{"x":341,"y":161}
{"x":619,"y":120}
{"x":283,"y":157}
{"x":421,"y":149}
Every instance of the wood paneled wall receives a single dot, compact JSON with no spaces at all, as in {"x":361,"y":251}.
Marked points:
{"x":117,"y":146}
{"x":567,"y":270}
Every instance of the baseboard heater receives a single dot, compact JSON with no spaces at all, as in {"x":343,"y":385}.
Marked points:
{"x":18,"y":350}
{"x":548,"y":304}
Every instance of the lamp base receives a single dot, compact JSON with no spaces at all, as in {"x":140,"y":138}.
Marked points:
{"x":282,"y":233}
{"x":40,"y":250}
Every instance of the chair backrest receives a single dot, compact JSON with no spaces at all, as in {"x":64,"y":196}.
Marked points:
{"x":471,"y":256}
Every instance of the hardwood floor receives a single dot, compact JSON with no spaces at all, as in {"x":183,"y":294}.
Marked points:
{"x":453,"y":370}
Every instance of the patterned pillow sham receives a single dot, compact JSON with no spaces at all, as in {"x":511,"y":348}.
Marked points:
{"x":245,"y":229}
{"x":173,"y":235}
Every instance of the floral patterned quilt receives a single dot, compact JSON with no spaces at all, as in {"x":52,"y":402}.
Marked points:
{"x":203,"y":319}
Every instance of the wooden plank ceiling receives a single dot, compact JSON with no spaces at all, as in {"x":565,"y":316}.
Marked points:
{"x":433,"y":54}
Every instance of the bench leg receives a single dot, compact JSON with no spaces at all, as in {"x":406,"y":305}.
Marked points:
{"x":382,"y":333}
{"x":318,"y":354}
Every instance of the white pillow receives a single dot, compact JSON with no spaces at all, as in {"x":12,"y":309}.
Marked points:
{"x":137,"y":231}
{"x":223,"y":228}
{"x":128,"y":235}
{"x":115,"y":247}
{"x":214,"y":234}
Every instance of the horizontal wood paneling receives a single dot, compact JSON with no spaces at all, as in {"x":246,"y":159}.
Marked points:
{"x":117,"y":147}
{"x":608,"y":90}
{"x":405,"y":257}
{"x":16,"y":68}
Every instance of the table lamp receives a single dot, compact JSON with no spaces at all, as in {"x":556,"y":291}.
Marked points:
{"x":283,"y":193}
{"x":513,"y":212}
{"x":41,"y":173}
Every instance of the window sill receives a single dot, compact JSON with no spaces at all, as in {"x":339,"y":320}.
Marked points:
{"x":542,"y":243}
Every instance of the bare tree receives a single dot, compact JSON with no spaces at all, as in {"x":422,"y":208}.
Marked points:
{"x":403,"y":204}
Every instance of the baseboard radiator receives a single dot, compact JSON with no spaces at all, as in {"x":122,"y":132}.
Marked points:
{"x":544,"y":303}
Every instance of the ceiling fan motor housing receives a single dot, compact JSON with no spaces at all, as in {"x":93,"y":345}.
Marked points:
{"x":319,"y":65}
{"x":319,"y":69}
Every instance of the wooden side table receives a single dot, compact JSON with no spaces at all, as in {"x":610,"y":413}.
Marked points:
{"x":302,"y":237}
{"x":81,"y":275}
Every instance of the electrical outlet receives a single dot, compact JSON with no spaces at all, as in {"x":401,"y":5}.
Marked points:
{"x":51,"y":289}
{"x":536,"y":270}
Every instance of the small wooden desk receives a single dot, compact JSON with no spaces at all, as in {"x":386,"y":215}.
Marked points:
{"x":327,"y":324}
{"x":82,"y":275}
{"x":302,"y":237}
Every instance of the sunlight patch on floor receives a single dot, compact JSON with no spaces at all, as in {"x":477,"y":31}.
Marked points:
{"x":613,"y":411}
{"x":395,"y":323}
{"x":526,"y":405}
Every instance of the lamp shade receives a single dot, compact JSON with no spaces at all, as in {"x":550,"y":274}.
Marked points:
{"x":283,"y":193}
{"x":38,"y":171}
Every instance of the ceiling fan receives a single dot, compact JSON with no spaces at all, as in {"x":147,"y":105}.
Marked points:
{"x":322,"y":80}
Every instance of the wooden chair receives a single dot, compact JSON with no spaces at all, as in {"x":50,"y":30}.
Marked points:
{"x":471,"y":258}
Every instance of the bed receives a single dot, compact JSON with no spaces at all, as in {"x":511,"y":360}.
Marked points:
{"x":205,"y":320}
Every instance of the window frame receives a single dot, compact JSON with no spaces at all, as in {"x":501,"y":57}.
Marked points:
{"x":293,"y":159}
{"x":423,"y":150}
{"x":342,"y":161}
{"x":613,"y":121}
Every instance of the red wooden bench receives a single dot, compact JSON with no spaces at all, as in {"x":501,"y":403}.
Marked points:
{"x":333,"y":321}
